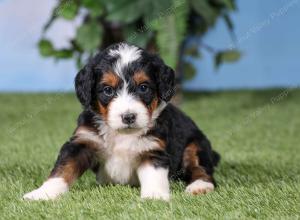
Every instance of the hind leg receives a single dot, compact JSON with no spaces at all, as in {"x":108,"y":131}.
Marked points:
{"x":198,"y":174}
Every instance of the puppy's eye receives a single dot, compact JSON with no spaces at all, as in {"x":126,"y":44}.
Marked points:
{"x":143,"y":88}
{"x":108,"y":91}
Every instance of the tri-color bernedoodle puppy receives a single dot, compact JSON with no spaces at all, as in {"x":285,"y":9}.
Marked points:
{"x":128,"y":133}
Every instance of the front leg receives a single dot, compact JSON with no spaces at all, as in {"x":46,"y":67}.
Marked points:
{"x":153,"y":176}
{"x":74,"y":159}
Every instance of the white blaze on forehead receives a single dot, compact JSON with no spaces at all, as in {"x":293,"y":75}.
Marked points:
{"x":126,"y":54}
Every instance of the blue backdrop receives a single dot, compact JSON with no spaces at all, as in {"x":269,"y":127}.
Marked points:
{"x":267,"y":34}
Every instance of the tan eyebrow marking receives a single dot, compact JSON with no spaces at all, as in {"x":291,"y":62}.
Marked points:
{"x":140,"y":77}
{"x":110,"y":79}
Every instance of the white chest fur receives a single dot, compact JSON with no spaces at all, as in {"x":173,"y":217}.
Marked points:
{"x":121,"y":157}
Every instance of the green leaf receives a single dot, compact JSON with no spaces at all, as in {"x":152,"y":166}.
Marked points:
{"x":158,"y":9}
{"x":46,"y":48}
{"x":126,"y":11}
{"x":67,"y":9}
{"x":90,"y":4}
{"x":193,"y":51}
{"x":230,"y":4}
{"x":138,"y":38}
{"x":189,"y":71}
{"x":205,"y":10}
{"x":89,"y":36}
{"x":227,"y":56}
{"x":95,"y":7}
{"x":63,"y":54}
{"x":170,"y":30}
{"x":79,"y":63}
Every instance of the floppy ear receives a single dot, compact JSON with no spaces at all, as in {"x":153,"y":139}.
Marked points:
{"x":166,"y":83}
{"x":84,"y":83}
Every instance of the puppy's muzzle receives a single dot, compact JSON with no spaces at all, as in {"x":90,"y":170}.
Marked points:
{"x":128,"y":118}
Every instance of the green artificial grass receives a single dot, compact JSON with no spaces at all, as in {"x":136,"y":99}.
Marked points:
{"x":256,"y":132}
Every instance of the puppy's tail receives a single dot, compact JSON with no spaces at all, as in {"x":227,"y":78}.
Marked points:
{"x":216,"y":158}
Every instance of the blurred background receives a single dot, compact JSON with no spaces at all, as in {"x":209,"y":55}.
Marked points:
{"x":213,"y":44}
{"x":238,"y":72}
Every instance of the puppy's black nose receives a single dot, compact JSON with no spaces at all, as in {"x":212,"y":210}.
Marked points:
{"x":128,"y":118}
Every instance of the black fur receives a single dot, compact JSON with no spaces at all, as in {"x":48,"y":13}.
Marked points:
{"x":162,"y":78}
{"x":84,"y":83}
{"x":164,"y":140}
{"x":172,"y":127}
{"x":81,"y":156}
{"x":178,"y":130}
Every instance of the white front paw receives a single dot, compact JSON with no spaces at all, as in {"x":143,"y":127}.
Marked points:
{"x":51,"y":189}
{"x":154,"y":182}
{"x":155,"y":194}
{"x":38,"y":194}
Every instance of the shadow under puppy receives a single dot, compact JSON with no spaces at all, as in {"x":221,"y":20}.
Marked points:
{"x":128,"y":133}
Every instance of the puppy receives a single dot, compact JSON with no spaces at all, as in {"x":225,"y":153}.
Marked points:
{"x":128,"y":133}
